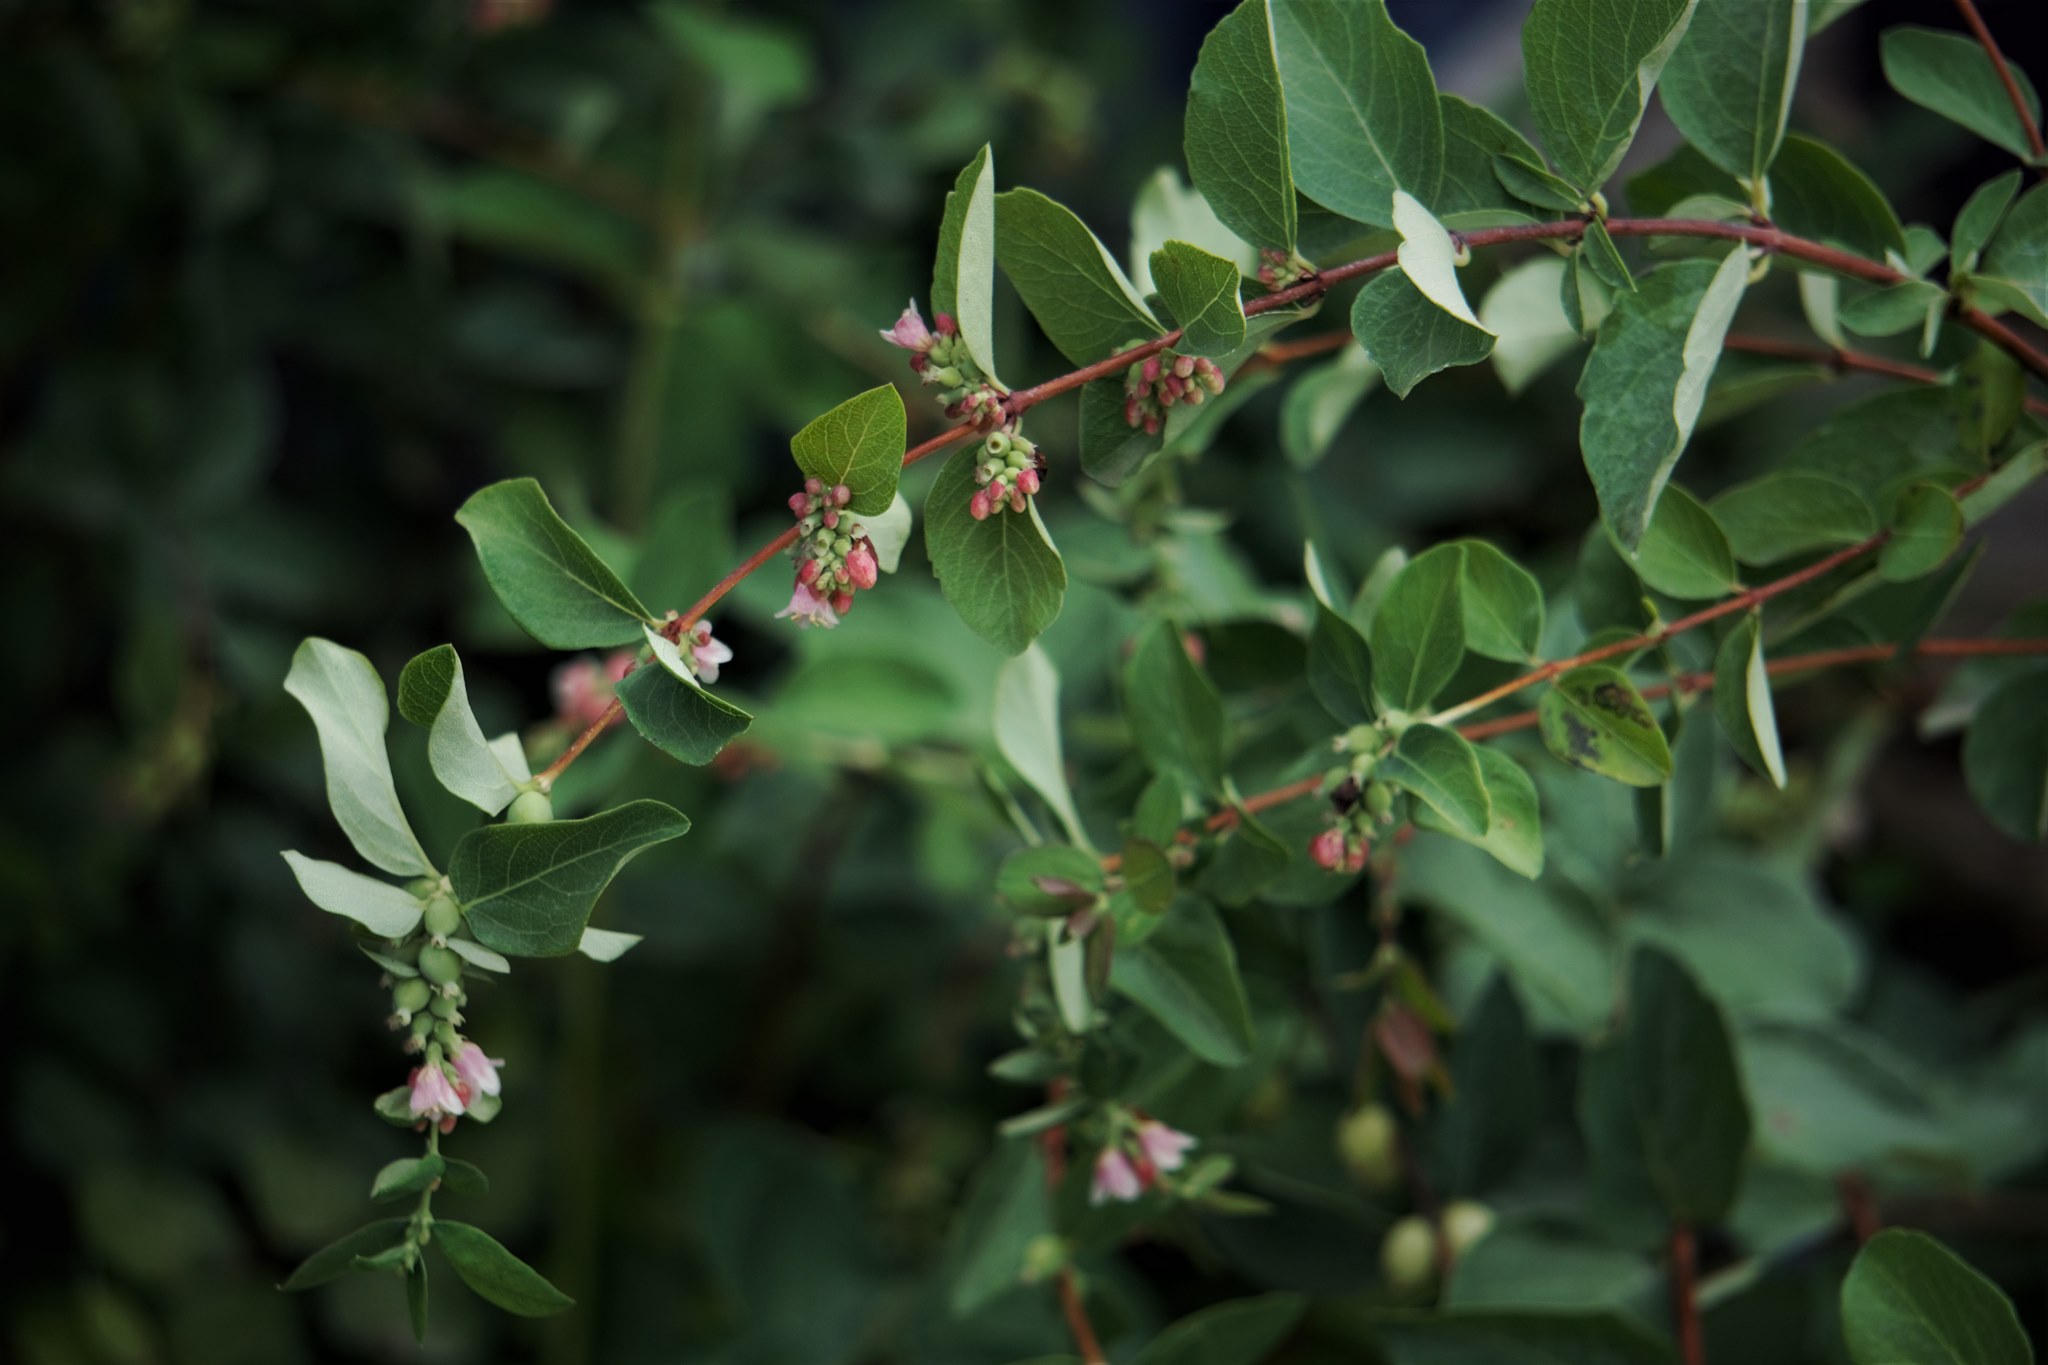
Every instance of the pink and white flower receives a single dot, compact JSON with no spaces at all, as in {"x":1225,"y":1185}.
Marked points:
{"x":910,"y":332}
{"x":706,"y":654}
{"x":1166,"y":1148}
{"x":809,"y":608}
{"x":1115,"y":1178}
{"x":477,"y":1071}
{"x":433,"y":1094}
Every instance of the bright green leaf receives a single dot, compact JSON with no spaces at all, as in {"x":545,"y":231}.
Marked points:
{"x":1514,"y":828}
{"x":527,"y":890}
{"x":860,"y":444}
{"x":1002,"y":575}
{"x":1200,"y":290}
{"x":1593,"y":718}
{"x":346,"y":700}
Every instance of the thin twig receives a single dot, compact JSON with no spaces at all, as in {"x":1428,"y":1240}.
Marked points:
{"x":1841,"y":361}
{"x":2005,"y":78}
{"x":1685,"y":1302}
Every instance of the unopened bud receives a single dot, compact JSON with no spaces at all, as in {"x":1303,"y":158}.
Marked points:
{"x":841,"y":494}
{"x":814,"y":486}
{"x":1327,"y":849}
{"x":1183,"y":366}
{"x":807,"y":572}
{"x":842,"y":602}
{"x":977,"y":506}
{"x":799,"y":504}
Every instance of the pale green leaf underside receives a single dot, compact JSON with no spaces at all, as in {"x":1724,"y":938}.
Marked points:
{"x":344,"y":696}
{"x":431,"y":693}
{"x":385,"y":910}
{"x":1027,"y":725}
{"x":964,"y":271}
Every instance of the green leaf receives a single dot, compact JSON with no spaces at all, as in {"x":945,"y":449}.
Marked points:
{"x":1027,"y":725}
{"x":1071,"y":284}
{"x":1817,"y":193}
{"x":1514,"y":827}
{"x":1662,"y":1106}
{"x":344,"y":696}
{"x":1002,"y":575}
{"x":1440,"y":768}
{"x":1482,"y":1130}
{"x":1729,"y":85}
{"x":2005,"y":757}
{"x":1111,"y":448}
{"x":1601,"y":256}
{"x":1926,"y":528}
{"x":1990,"y":392}
{"x":1646,"y":379}
{"x":1237,"y":1332}
{"x":1319,"y":403}
{"x":1980,"y":217}
{"x":1409,"y":337}
{"x":1836,"y":1099}
{"x":1473,"y":139}
{"x":1896,"y":308}
{"x":1537,"y":1261}
{"x":1524,"y":312}
{"x":1005,"y":1212}
{"x":1591,"y":65}
{"x":860,"y":444}
{"x":1340,"y":668}
{"x":1429,"y":258}
{"x":1527,"y":180}
{"x":416,"y":1300}
{"x":1790,"y":513}
{"x":1909,"y":1298}
{"x":1684,"y":554}
{"x":463,"y":1177}
{"x":671,"y":709}
{"x":1514,"y":1336}
{"x":527,"y":890}
{"x":1149,"y":880}
{"x":385,"y":910}
{"x":2006,"y":482}
{"x":407,"y":1175}
{"x":1593,"y":718}
{"x":1175,"y":714}
{"x":1742,"y":700}
{"x":2018,"y":255}
{"x":964,"y":271}
{"x":496,"y":1274}
{"x":1751,"y":931}
{"x":1418,"y":632}
{"x":1200,"y":290}
{"x":1951,"y":74}
{"x":546,"y":575}
{"x":431,"y":694}
{"x":479,"y":956}
{"x":1362,"y":113}
{"x":605,"y":945}
{"x":1236,"y":131}
{"x":338,"y":1258}
{"x":1185,"y":976}
{"x":1502,"y":604}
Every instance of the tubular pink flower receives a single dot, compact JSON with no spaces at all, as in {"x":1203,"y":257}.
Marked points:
{"x":433,"y":1094}
{"x":479,"y":1072}
{"x":910,"y":332}
{"x":707,"y":653}
{"x":808,"y":608}
{"x":861,"y":565}
{"x":1166,"y":1148}
{"x":1115,"y":1178}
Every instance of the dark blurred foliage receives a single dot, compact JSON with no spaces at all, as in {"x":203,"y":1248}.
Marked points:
{"x":284,"y":282}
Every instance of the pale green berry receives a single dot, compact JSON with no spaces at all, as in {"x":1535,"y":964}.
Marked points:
{"x":444,"y":915}
{"x":1366,"y":1140}
{"x":1408,"y":1255}
{"x":1465,"y":1222}
{"x":440,"y":965}
{"x":411,"y":995}
{"x":530,"y":808}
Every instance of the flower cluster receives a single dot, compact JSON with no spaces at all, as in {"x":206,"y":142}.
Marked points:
{"x":1345,"y":845}
{"x":1278,"y":270}
{"x":834,"y":557}
{"x":1007,"y":477}
{"x":1159,"y":381}
{"x":453,"y":1071}
{"x":584,"y":688}
{"x":444,"y":1085}
{"x":941,"y":358}
{"x":1140,"y":1150}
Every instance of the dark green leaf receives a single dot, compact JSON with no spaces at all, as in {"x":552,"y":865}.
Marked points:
{"x":1527,"y":180}
{"x":1951,"y":74}
{"x":431,"y":694}
{"x":407,"y":1175}
{"x":2018,"y":255}
{"x":1684,"y":554}
{"x":1901,"y":307}
{"x":964,"y":271}
{"x":1362,"y":114}
{"x":1441,"y":769}
{"x":344,"y":696}
{"x":1148,"y":876}
{"x":1662,"y":1105}
{"x":1909,"y":1298}
{"x":1111,"y":448}
{"x":338,"y":1258}
{"x":1238,"y":1332}
{"x":1478,"y":1134}
{"x":1005,"y":1212}
{"x":671,"y":709}
{"x":1071,"y":284}
{"x":1593,"y":718}
{"x":1002,"y":575}
{"x":547,"y":576}
{"x":1418,"y":632}
{"x":1729,"y":85}
{"x":1236,"y":131}
{"x":1990,"y":392}
{"x":1590,"y":66}
{"x":1185,"y":976}
{"x":1789,"y":513}
{"x":1816,"y":193}
{"x":1510,"y":1336}
{"x":1742,"y":700}
{"x":463,"y":1177}
{"x":496,"y":1274}
{"x":416,"y":1299}
{"x":1473,"y":138}
{"x":1408,"y":336}
{"x":2005,"y":757}
{"x":1926,"y":528}
{"x":1340,"y":668}
{"x":1646,"y":379}
{"x":1600,"y":255}
{"x":1200,"y":291}
{"x":1502,"y":604}
{"x":527,"y":890}
{"x":1978,"y":221}
{"x":1320,"y":402}
{"x":1175,"y":714}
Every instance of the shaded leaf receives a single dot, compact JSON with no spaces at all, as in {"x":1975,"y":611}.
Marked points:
{"x":1418,"y":631}
{"x":1002,"y":575}
{"x":546,"y":575}
{"x":1742,"y":700}
{"x":527,"y":890}
{"x":496,"y":1274}
{"x":673,"y":711}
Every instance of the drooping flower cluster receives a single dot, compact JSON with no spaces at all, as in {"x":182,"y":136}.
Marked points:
{"x":1140,"y":1150}
{"x":1007,"y":477}
{"x":453,"y":1070}
{"x":1346,"y":844}
{"x":834,"y":556}
{"x":1159,"y":381}
{"x":942,"y":360}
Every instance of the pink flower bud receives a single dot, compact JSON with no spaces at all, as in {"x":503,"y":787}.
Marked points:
{"x":862,"y":566}
{"x":1327,"y":849}
{"x":1151,"y":424}
{"x":831,"y":518}
{"x":946,"y":325}
{"x":1150,"y":371}
{"x":1134,"y":412}
{"x":1027,"y":480}
{"x":814,"y":487}
{"x":1175,"y":387}
{"x":910,"y":332}
{"x":1183,"y":366}
{"x":1115,"y":1178}
{"x":919,"y":361}
{"x":977,"y":506}
{"x":1354,"y":861}
{"x":1016,"y":499}
{"x":841,"y":494}
{"x":842,"y":602}
{"x":799,"y":504}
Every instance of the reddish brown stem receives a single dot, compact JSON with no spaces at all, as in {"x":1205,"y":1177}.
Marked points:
{"x":1685,"y":1300}
{"x":1793,"y":663}
{"x":1848,"y":361}
{"x":1859,"y":1206}
{"x":547,"y":776}
{"x":2005,"y":76}
{"x":1077,"y":1318}
{"x":732,"y":580}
